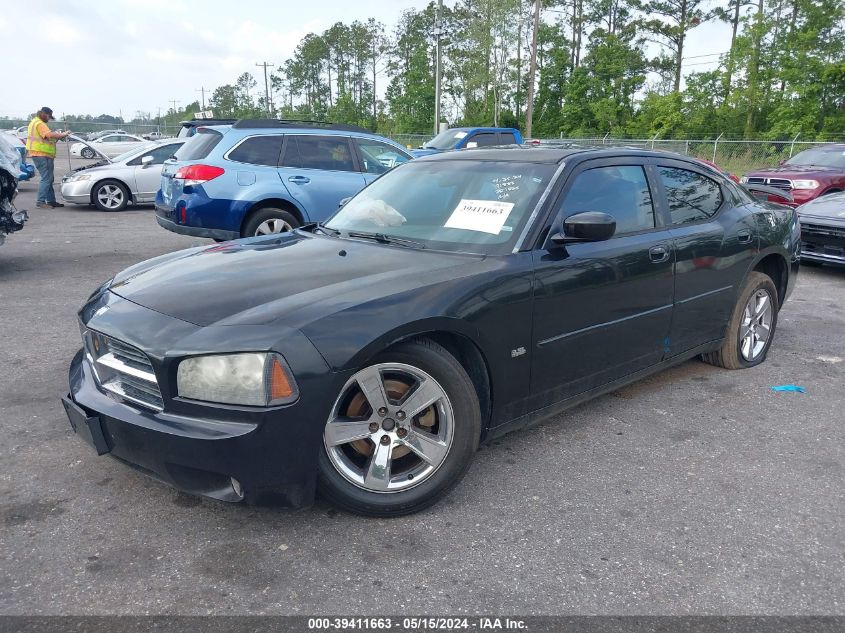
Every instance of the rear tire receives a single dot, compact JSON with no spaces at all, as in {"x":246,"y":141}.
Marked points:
{"x":754,"y":316}
{"x":445,"y":433}
{"x":268,"y":221}
{"x":87,"y":152}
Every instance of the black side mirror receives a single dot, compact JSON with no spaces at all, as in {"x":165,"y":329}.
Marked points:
{"x":588,"y":226}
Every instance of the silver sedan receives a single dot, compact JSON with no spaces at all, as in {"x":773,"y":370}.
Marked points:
{"x":113,"y":183}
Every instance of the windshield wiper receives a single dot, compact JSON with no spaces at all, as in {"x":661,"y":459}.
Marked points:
{"x":386,"y":239}
{"x":319,"y":226}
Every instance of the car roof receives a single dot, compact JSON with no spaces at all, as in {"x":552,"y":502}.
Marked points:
{"x":539,"y":154}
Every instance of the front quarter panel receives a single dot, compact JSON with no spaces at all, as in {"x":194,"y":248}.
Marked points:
{"x":491,"y":306}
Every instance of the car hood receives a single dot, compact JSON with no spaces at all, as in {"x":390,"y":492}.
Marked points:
{"x":259,"y":280}
{"x":830,"y":206}
{"x":795,"y":171}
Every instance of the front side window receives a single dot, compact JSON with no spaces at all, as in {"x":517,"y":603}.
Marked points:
{"x":159,"y":154}
{"x":455,"y":205}
{"x":691,"y":196}
{"x":258,"y":150}
{"x":377,"y":157}
{"x":312,"y":151}
{"x":621,"y":191}
{"x":483,"y":139}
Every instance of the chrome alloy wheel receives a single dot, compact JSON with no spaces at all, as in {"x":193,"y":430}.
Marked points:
{"x":110,"y":196}
{"x":390,"y":429}
{"x":273,"y":225}
{"x":756,"y":325}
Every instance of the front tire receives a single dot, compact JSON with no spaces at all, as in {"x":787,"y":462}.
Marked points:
{"x":269,"y":221}
{"x":402,"y":432}
{"x":752,"y":326}
{"x":110,"y":195}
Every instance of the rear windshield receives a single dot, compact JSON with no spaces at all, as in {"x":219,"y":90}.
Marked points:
{"x":817,"y":156}
{"x":199,"y":145}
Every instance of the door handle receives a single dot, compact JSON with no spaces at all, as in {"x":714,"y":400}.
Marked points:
{"x":659,"y":254}
{"x":299,"y":180}
{"x":744,"y":237}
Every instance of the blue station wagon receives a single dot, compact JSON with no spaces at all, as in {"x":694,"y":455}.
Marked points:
{"x":257,"y":177}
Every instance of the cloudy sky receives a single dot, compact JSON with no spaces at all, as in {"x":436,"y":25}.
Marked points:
{"x":120,"y":56}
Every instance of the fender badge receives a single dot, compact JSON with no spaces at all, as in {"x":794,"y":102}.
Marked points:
{"x":519,"y":351}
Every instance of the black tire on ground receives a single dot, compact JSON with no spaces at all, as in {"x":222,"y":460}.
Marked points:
{"x":270,"y":215}
{"x":119,"y":190}
{"x":729,"y":355}
{"x":87,"y":152}
{"x":448,"y":372}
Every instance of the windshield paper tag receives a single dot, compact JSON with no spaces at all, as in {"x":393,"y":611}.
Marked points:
{"x":487,"y":216}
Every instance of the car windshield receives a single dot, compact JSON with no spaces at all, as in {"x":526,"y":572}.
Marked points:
{"x":446,"y":140}
{"x":820,"y":157}
{"x":454,"y":205}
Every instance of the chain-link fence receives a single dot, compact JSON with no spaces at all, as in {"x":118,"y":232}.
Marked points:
{"x":735,"y":156}
{"x":87,"y":128}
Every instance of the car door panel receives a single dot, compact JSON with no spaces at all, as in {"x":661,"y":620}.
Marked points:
{"x":313,"y":175}
{"x":602,"y":310}
{"x":712,"y":257}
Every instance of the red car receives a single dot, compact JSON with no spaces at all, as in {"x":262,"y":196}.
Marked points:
{"x":807,"y":175}
{"x":713,"y":165}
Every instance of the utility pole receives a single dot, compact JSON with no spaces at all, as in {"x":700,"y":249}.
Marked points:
{"x":529,"y":109}
{"x":174,"y":102}
{"x":266,"y":88}
{"x":202,"y":90}
{"x":438,"y":33}
{"x":159,"y":120}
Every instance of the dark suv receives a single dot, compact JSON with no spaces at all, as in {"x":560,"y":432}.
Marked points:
{"x":807,"y":175}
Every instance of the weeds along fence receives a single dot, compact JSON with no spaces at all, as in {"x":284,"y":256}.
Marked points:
{"x":736,"y":156}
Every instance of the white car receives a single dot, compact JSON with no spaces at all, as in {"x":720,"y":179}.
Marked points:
{"x":110,"y":145}
{"x":111,"y":184}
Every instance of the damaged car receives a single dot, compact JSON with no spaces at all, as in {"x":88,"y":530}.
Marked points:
{"x":456,"y":298}
{"x":11,"y":219}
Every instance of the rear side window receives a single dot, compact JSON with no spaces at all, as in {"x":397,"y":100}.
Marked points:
{"x":258,"y":150}
{"x":312,"y":151}
{"x":199,"y":145}
{"x":621,"y":191}
{"x":508,"y":138}
{"x":691,"y":196}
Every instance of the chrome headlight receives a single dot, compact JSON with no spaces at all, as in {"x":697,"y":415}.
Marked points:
{"x":79,"y":177}
{"x":805,"y":184}
{"x":743,"y":180}
{"x":252,"y":379}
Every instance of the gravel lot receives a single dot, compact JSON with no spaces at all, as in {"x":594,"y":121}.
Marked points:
{"x":695,"y":491}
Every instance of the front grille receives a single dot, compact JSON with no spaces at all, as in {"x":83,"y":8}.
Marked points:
{"x":783,"y":184}
{"x":809,"y":230}
{"x":123,"y":370}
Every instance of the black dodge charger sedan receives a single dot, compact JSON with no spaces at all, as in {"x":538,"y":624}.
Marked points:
{"x":456,"y":298}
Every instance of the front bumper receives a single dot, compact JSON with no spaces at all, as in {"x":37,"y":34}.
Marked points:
{"x":76,"y":191}
{"x":226,"y":453}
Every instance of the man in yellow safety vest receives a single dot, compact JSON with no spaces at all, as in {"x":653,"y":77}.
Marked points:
{"x":41,"y":144}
